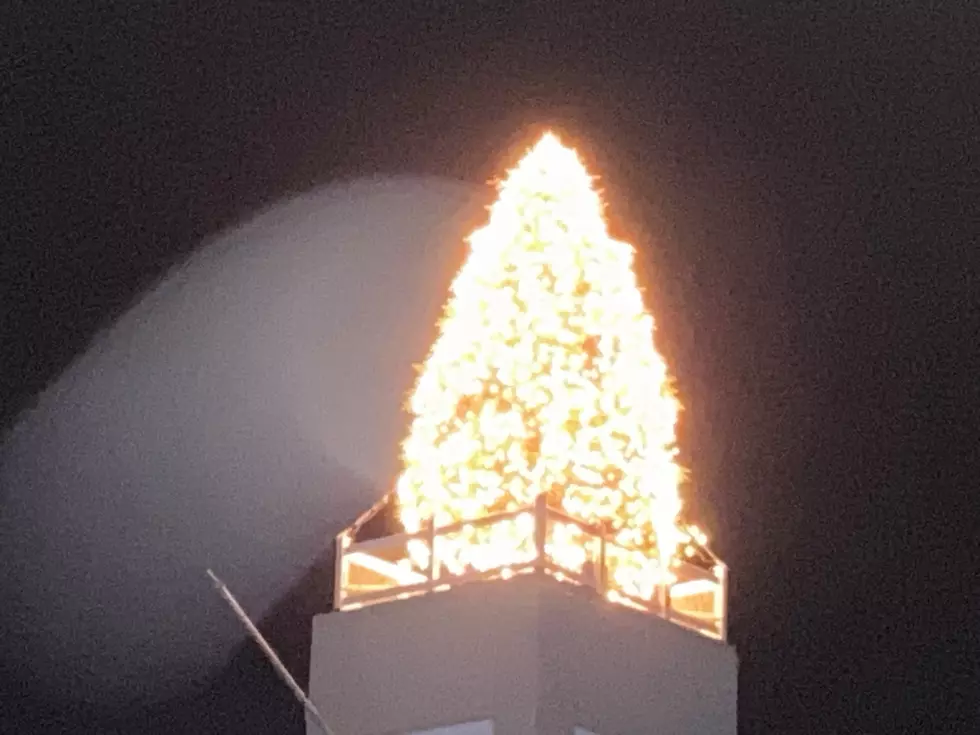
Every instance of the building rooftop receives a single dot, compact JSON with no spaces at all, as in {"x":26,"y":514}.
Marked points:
{"x":371,"y":568}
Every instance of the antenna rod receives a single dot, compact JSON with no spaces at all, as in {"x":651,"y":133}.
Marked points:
{"x":271,"y":655}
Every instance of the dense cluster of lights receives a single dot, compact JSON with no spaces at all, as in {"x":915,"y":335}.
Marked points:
{"x":545,"y":379}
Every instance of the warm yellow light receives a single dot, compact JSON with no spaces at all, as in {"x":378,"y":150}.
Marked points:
{"x":545,"y":379}
{"x":385,"y":568}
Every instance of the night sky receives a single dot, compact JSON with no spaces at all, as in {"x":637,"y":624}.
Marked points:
{"x":799,"y":184}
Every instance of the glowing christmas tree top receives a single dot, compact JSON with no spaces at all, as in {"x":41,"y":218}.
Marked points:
{"x":544,"y":379}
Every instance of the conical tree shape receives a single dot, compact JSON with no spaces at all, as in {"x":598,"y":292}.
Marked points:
{"x":544,"y":378}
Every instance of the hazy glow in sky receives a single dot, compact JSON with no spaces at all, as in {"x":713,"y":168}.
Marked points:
{"x":236,"y":418}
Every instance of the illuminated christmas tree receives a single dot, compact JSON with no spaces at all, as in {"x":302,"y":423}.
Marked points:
{"x":544,"y":379}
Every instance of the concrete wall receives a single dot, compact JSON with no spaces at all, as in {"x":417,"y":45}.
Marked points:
{"x":534,"y":655}
{"x":615,"y":671}
{"x":467,"y":654}
{"x":483,"y":727}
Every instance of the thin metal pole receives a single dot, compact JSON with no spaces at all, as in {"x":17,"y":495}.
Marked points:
{"x":339,"y":582}
{"x":540,"y":528}
{"x":271,"y":655}
{"x":433,"y":567}
{"x":721,"y":603}
{"x":601,"y":571}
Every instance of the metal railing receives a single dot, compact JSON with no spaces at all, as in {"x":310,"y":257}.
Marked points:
{"x":537,"y":538}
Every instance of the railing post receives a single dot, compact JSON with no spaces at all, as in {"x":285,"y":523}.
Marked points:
{"x":721,"y":603}
{"x":663,"y":590}
{"x":433,"y":568}
{"x":338,"y":571}
{"x":600,"y":577}
{"x":540,"y":527}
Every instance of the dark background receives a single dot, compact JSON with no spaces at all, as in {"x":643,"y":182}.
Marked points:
{"x":800,"y":183}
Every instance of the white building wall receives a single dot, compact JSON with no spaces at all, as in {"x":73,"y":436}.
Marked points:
{"x":530,"y":654}
{"x":615,"y":671}
{"x":430,"y":661}
{"x":483,"y":727}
